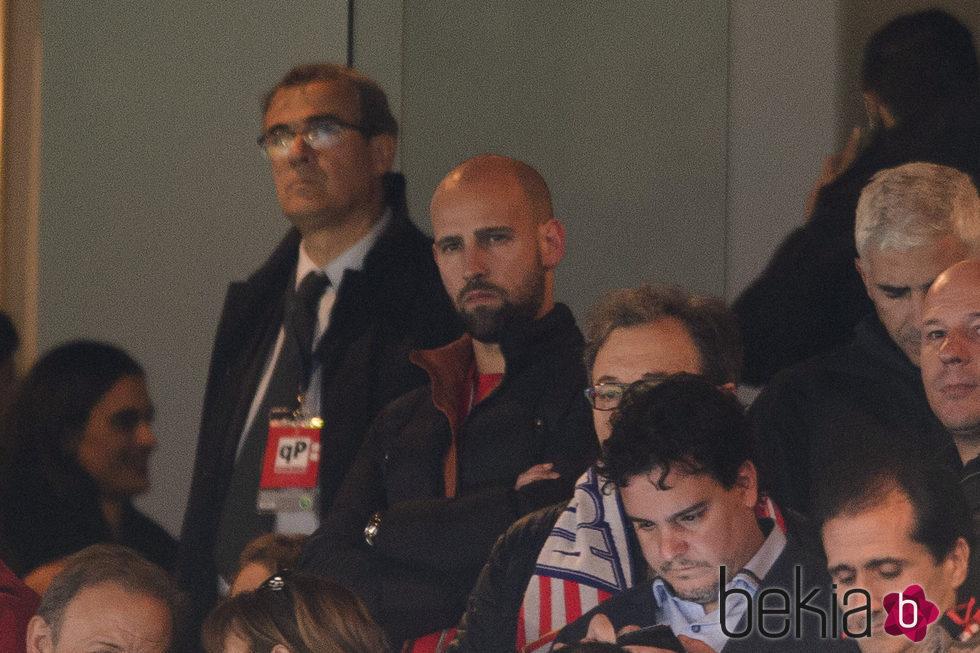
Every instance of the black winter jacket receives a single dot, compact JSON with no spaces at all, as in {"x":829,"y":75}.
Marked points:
{"x":430,"y":548}
{"x":834,"y":406}
{"x":809,"y":298}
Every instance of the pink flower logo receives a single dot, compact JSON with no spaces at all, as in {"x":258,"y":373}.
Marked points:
{"x":909,"y":613}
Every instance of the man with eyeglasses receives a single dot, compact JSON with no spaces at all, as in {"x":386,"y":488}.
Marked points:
{"x":328,"y":320}
{"x":584,"y":548}
{"x":501,"y":430}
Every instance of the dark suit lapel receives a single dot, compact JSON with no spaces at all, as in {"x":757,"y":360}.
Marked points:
{"x":253,"y":329}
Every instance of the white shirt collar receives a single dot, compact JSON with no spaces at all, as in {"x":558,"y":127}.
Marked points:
{"x":351,"y":259}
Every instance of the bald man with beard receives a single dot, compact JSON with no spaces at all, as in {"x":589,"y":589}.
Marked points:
{"x":502,"y":429}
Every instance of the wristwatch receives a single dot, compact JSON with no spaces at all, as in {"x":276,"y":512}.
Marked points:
{"x":371,"y":530}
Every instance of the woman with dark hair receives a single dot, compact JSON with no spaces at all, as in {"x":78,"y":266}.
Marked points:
{"x":75,"y":445}
{"x":293,"y":614}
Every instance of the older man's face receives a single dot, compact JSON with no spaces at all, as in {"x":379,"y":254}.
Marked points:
{"x":897,"y":283}
{"x":106,"y":617}
{"x":324,"y":188}
{"x":951,"y":349}
{"x":641,"y":351}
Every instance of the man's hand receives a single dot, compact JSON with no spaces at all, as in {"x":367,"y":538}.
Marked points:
{"x":542,"y":472}
{"x":601,"y":630}
{"x":833,"y":166}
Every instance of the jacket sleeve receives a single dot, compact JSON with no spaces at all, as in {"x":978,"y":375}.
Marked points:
{"x":415,"y":530}
{"x":389,"y":588}
{"x":634,"y":607}
{"x":808,"y":298}
{"x":490,"y":620}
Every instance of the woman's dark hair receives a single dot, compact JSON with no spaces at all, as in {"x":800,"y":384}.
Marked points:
{"x":306,"y":614}
{"x":52,"y":404}
{"x":920,"y":62}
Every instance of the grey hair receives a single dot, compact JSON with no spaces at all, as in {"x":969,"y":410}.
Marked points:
{"x":710,"y":323}
{"x":106,"y":563}
{"x":914,"y":204}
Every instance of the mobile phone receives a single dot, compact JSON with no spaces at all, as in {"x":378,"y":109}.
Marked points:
{"x":659,"y":636}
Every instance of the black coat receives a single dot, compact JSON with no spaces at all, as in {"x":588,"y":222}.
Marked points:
{"x":395,"y":304}
{"x":837,"y":405}
{"x":430,"y":548}
{"x":42,"y":521}
{"x":810,"y":297}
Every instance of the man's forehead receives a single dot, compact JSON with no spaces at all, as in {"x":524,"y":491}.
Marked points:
{"x":870,"y":532}
{"x":956,"y":294}
{"x":295,"y":103}
{"x":683,"y":489}
{"x":110,"y":613}
{"x":916,"y":267}
{"x":662,"y":346}
{"x":473,"y":211}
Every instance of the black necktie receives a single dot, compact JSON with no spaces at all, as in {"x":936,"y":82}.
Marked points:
{"x":301,"y":320}
{"x":240,"y":523}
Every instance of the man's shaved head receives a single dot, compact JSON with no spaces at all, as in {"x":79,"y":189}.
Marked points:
{"x":951,"y":352}
{"x":488,"y":169}
{"x":496,"y":243}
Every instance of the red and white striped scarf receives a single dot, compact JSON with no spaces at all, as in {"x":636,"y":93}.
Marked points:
{"x":584,"y":561}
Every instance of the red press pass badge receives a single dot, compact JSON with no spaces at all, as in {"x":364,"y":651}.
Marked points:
{"x":291,"y":466}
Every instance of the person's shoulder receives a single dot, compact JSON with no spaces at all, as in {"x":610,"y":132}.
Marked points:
{"x":280,"y":264}
{"x":150,"y":538}
{"x":829,"y":369}
{"x":405,"y":408}
{"x":533,"y":527}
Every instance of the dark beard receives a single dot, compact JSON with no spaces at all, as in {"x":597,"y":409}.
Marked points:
{"x":486,"y":324}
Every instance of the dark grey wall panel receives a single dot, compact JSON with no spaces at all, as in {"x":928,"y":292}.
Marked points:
{"x":154,"y":194}
{"x":622,"y":106}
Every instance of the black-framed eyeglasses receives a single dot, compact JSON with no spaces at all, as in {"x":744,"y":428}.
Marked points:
{"x":319,"y":132}
{"x":606,"y":396}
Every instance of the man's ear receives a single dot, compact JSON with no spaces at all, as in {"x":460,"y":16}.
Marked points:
{"x":957,"y":563}
{"x":382,"y":152}
{"x":39,"y":636}
{"x":747,"y":481}
{"x":279,"y":648}
{"x":551,"y":242}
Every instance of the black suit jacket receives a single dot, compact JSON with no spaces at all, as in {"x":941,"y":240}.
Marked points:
{"x":395,"y":304}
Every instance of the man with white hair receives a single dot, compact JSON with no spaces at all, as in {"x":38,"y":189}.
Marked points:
{"x":912,"y":222}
